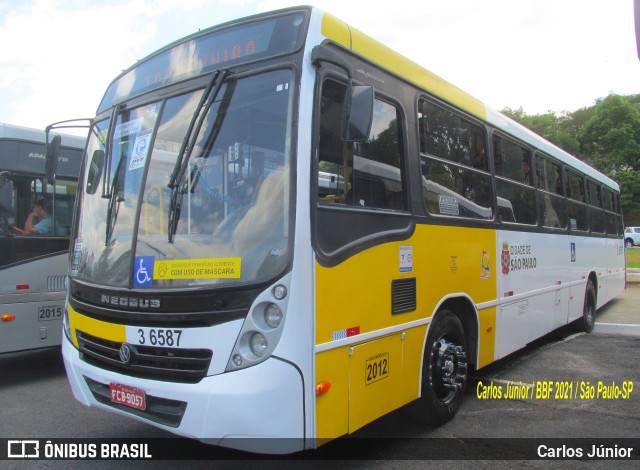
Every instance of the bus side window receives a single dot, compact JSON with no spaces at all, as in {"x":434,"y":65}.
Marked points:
{"x":514,"y":184}
{"x":368,"y":174}
{"x":377,"y":163}
{"x":551,"y":201}
{"x":333,"y":158}
{"x":578,"y":214}
{"x":455,"y":174}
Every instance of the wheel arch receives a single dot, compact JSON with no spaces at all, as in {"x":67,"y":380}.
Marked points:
{"x":463,"y":307}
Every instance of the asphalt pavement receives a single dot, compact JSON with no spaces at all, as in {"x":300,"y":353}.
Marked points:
{"x":622,"y":314}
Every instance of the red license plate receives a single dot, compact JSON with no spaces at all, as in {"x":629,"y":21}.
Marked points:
{"x":128,"y":396}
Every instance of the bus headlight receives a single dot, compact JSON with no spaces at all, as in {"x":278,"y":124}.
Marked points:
{"x":263,"y":327}
{"x":258,"y":344}
{"x":273,"y":315}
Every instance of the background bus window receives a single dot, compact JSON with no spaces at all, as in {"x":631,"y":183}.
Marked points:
{"x":65,"y":197}
{"x":17,"y":198}
{"x":455,"y":174}
{"x":551,"y":201}
{"x":514,"y":182}
{"x":7,"y":204}
{"x":372,"y":170}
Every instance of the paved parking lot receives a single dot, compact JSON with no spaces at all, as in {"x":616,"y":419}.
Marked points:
{"x":622,"y":314}
{"x":583,"y":386}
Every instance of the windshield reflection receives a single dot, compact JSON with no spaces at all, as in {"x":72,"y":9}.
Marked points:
{"x":232,"y":223}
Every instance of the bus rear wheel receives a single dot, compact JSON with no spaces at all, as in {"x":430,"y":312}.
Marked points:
{"x":589,"y":309}
{"x":444,"y":373}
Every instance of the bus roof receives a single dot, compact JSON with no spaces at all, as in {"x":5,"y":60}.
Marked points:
{"x":11,"y":131}
{"x":22,"y":150}
{"x":343,"y":34}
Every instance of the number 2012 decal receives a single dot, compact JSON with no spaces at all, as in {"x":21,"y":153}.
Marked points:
{"x":376,"y":368}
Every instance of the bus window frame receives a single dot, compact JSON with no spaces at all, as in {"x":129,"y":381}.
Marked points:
{"x":533,"y":183}
{"x":422,"y":99}
{"x":546,"y":158}
{"x":392,"y":225}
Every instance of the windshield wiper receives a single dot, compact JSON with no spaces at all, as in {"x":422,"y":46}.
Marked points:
{"x":114,"y":196}
{"x":106,"y":176}
{"x":199,"y":115}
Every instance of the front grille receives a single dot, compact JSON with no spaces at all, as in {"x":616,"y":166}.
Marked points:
{"x":159,"y":410}
{"x":148,"y":362}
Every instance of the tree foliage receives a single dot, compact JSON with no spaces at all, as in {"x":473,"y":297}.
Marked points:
{"x":553,"y":127}
{"x":605,"y":135}
{"x":611,"y":138}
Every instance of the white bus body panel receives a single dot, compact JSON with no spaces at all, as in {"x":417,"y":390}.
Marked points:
{"x":37,"y":309}
{"x":542,"y":282}
{"x":228,"y":409}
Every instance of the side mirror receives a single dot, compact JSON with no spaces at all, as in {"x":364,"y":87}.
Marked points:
{"x":358,"y":113}
{"x":51,"y":159}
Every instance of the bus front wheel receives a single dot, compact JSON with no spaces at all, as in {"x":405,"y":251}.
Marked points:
{"x":444,"y":373}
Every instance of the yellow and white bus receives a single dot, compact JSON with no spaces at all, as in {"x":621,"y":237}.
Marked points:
{"x":287,"y":230}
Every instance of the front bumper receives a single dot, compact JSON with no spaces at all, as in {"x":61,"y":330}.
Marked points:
{"x":260,"y":408}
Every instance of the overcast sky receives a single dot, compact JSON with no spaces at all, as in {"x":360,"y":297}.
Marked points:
{"x":58,"y":56}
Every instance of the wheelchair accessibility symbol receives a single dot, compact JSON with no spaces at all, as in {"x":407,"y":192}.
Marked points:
{"x":143,"y":271}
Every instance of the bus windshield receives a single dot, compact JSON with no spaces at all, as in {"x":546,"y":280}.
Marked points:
{"x":224,"y":219}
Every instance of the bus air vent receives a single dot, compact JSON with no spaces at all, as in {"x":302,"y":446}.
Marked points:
{"x":56,"y":283}
{"x":403,"y":295}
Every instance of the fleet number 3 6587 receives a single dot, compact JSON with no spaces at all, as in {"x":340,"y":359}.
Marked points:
{"x":159,"y":337}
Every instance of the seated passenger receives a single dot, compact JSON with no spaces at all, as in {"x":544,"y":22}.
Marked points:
{"x":39,"y":222}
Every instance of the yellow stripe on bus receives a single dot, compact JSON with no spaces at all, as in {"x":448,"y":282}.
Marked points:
{"x":97,"y":328}
{"x":360,"y":43}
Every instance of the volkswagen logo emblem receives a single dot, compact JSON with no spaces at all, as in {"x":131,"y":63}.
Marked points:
{"x":125,"y":353}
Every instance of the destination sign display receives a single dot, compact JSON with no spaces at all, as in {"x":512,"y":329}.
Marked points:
{"x":223,"y":47}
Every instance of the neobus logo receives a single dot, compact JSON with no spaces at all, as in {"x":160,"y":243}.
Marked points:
{"x":134,"y":302}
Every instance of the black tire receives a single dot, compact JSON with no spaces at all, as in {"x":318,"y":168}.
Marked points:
{"x":589,"y":308}
{"x":444,"y":368}
{"x":628,"y":243}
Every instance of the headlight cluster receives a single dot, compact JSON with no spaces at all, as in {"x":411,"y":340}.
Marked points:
{"x":262,"y":328}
